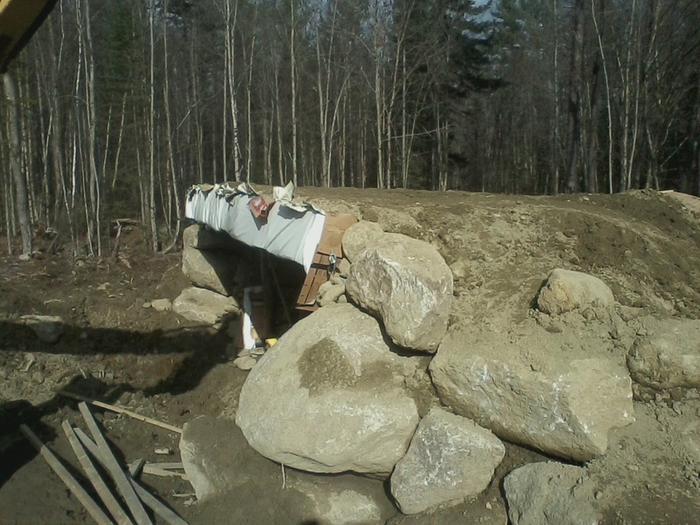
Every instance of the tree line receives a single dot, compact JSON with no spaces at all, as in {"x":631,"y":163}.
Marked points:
{"x":115,"y":108}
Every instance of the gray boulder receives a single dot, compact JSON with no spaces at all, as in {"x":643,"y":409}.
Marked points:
{"x":408,"y":285}
{"x":550,"y":494}
{"x":204,"y":306}
{"x":213,"y":270}
{"x":669,"y":356}
{"x":567,"y":290}
{"x":330,"y":397}
{"x":204,"y":238}
{"x":564,"y":407}
{"x":450,"y":458}
{"x":218,"y":461}
{"x":358,"y":237}
{"x":48,"y":328}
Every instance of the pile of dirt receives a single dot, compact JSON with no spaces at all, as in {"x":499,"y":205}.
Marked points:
{"x":500,"y":249}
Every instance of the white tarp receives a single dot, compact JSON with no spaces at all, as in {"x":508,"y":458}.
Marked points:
{"x":290,"y":231}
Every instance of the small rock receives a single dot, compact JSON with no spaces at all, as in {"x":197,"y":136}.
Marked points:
{"x":329,"y":292}
{"x":48,"y":328}
{"x":162,"y":305}
{"x":204,"y":306}
{"x":567,"y":290}
{"x":146,"y":305}
{"x":246,"y":352}
{"x":245,"y":363}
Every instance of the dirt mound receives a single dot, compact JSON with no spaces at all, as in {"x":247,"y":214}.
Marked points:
{"x":644,"y":245}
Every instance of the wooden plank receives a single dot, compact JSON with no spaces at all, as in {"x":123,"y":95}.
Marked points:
{"x":333,"y":231}
{"x":120,"y":479}
{"x":121,"y":410}
{"x":148,"y":499}
{"x":76,"y":489}
{"x":113,"y":506}
{"x":153,"y":470}
{"x":318,"y":274}
{"x":167,"y":466}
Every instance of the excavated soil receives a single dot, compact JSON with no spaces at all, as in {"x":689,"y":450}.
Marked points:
{"x":644,"y":245}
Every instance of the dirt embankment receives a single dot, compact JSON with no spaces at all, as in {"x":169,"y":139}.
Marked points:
{"x":644,"y":245}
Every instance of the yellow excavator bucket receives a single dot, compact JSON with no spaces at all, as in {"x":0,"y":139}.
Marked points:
{"x":19,"y":19}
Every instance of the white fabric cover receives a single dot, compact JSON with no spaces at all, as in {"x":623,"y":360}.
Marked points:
{"x":291,"y":232}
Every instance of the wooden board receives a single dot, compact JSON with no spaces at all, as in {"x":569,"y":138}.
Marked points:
{"x":329,"y":246}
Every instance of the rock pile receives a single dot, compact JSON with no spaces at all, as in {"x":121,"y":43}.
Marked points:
{"x":212,"y":262}
{"x":344,"y":390}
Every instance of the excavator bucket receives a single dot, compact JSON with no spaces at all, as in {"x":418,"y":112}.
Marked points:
{"x":19,"y":19}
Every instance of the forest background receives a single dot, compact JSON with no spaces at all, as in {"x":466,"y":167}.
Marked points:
{"x":116,"y":107}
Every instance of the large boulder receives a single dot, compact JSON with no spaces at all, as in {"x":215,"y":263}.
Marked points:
{"x":550,"y":494}
{"x":48,"y":328}
{"x":668,"y":356}
{"x":330,"y":397}
{"x":204,"y":238}
{"x":560,"y":405}
{"x":358,"y":237}
{"x":218,"y":463}
{"x":566,"y":290}
{"x":214,"y":270}
{"x":450,"y":458}
{"x":204,"y":306}
{"x":407,"y":283}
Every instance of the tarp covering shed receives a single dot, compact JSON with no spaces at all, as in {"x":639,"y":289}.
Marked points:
{"x":290,"y":231}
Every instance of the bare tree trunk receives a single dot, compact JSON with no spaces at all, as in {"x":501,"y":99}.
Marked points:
{"x":151,"y":134}
{"x":293,"y":74}
{"x":278,"y":121}
{"x":175,"y":235}
{"x":249,"y":113}
{"x":608,"y":95}
{"x":378,"y":100}
{"x":572,"y":184}
{"x":556,"y":144}
{"x":20,"y":186}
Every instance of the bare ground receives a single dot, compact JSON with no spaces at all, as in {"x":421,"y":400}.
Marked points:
{"x":646,"y":246}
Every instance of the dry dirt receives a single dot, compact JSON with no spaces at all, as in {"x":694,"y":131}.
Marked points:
{"x":646,"y":246}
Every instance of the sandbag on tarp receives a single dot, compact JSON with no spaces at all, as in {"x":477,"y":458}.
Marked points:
{"x":290,"y":231}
